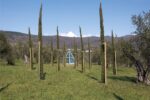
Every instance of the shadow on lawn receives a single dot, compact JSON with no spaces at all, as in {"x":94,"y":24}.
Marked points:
{"x":5,"y":87}
{"x":117,"y":97}
{"x":92,"y":77}
{"x":80,"y":71}
{"x":123,"y":78}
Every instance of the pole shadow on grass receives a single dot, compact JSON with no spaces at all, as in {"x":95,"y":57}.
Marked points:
{"x":93,"y":78}
{"x":123,"y":78}
{"x":34,"y":68}
{"x":5,"y":87}
{"x":117,"y":97}
{"x":80,"y":71}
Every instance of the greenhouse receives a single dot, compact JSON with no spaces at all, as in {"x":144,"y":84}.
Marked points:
{"x":69,"y":57}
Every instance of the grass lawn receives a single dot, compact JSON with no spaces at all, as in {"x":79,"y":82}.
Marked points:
{"x":20,"y":83}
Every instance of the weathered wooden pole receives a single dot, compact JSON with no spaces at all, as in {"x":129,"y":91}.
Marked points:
{"x":114,"y":63}
{"x":40,"y":60}
{"x":30,"y":49}
{"x":102,"y":47}
{"x":75,"y":53}
{"x":64,"y":54}
{"x":58,"y":51}
{"x":105,"y":63}
{"x":82,"y":50}
{"x":77,"y":58}
{"x":52,"y":50}
{"x":89,"y":53}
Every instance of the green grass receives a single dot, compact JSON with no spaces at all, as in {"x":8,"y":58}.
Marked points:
{"x":20,"y":83}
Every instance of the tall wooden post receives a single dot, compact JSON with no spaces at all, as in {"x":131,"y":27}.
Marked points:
{"x":116,"y":62}
{"x":75,"y":54}
{"x":114,"y":55}
{"x":89,"y":49}
{"x":82,"y":50}
{"x":64,"y":54}
{"x":105,"y":63}
{"x":40,"y":59}
{"x":52,"y":57}
{"x":30,"y":50}
{"x":58,"y":51}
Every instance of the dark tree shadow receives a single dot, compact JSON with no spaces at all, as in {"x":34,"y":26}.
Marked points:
{"x":80,"y":71}
{"x":5,"y":87}
{"x":44,"y":76}
{"x":34,"y":68}
{"x":93,"y":78}
{"x":123,"y":78}
{"x":117,"y":97}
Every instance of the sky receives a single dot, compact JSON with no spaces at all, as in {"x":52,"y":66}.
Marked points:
{"x":18,"y":15}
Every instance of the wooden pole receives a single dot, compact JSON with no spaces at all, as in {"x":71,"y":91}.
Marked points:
{"x":105,"y":62}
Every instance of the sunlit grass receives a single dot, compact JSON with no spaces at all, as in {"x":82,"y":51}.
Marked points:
{"x":21,"y":83}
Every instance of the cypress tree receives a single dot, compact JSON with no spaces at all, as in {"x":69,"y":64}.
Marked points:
{"x":89,"y":49}
{"x":102,"y":40}
{"x":82,"y":50}
{"x":77,"y":58}
{"x":75,"y":53}
{"x":114,"y":55}
{"x":52,"y":58}
{"x":30,"y":50}
{"x":58,"y":51}
{"x":42,"y":76}
{"x":64,"y":54}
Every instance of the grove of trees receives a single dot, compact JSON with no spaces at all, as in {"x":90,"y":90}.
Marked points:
{"x":130,"y":52}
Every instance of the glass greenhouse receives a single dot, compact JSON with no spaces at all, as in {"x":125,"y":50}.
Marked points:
{"x":69,"y":57}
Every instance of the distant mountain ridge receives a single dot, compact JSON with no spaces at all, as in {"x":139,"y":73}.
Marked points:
{"x":15,"y":37}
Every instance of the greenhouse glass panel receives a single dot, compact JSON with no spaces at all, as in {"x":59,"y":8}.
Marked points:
{"x":69,"y":57}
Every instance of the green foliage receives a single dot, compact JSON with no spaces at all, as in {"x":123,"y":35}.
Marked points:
{"x":46,"y":54}
{"x":30,"y":40}
{"x":124,"y":61}
{"x":101,"y":24}
{"x":20,"y":49}
{"x":96,"y":56}
{"x":114,"y":55}
{"x":40,"y":25}
{"x":141,"y":42}
{"x":113,"y":42}
{"x":102,"y":40}
{"x":52,"y":52}
{"x":6,"y":51}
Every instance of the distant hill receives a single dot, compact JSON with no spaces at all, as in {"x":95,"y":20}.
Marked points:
{"x":15,"y":37}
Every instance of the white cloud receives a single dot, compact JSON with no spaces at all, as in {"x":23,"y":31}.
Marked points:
{"x":69,"y":34}
{"x":72,"y":34}
{"x":87,"y":35}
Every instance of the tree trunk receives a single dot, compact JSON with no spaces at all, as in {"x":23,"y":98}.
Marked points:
{"x":105,"y":63}
{"x":52,"y":62}
{"x":58,"y":60}
{"x":64,"y":59}
{"x":142,"y":74}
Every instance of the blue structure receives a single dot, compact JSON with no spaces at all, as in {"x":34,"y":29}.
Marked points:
{"x":69,"y":57}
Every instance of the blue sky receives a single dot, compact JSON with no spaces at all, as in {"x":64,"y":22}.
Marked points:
{"x":18,"y":15}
